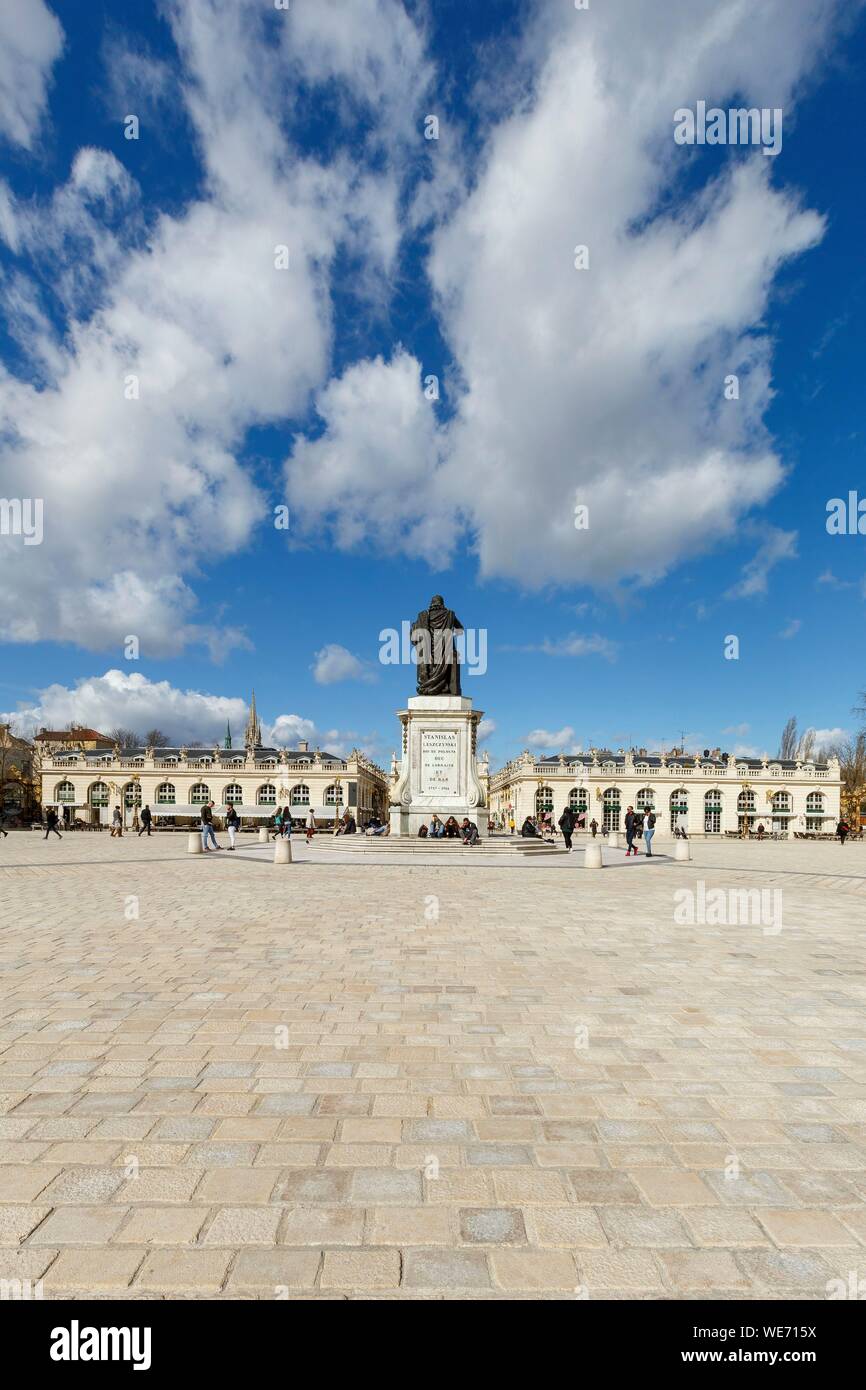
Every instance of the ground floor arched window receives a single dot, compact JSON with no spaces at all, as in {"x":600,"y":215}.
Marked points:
{"x":746,"y":810}
{"x":679,"y":808}
{"x":645,"y":799}
{"x":578,"y":800}
{"x":266,"y":795}
{"x":200,"y":794}
{"x":132,"y":795}
{"x":165,"y":794}
{"x":713,"y":812}
{"x":300,"y":795}
{"x":781,"y":811}
{"x":333,"y":796}
{"x":233,"y":795}
{"x":610,"y":809}
{"x":543,"y":800}
{"x":99,"y":794}
{"x":815,"y":811}
{"x":65,"y":794}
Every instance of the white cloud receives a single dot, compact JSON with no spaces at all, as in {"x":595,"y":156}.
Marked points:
{"x":486,"y":728}
{"x":31,"y":39}
{"x":335,"y":663}
{"x":572,"y":645}
{"x":740,"y":730}
{"x":791,"y":628}
{"x":559,"y":741}
{"x":777,"y":546}
{"x":825,"y":739}
{"x":119,"y":699}
{"x":602,"y":387}
{"x":138,"y":493}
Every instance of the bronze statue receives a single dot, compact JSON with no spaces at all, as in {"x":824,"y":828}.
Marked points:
{"x":438,"y":659}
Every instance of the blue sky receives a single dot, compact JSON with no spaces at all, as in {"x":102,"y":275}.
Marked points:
{"x":258,"y":387}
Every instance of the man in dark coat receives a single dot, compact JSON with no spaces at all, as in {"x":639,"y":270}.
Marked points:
{"x":145,"y":821}
{"x":566,"y":825}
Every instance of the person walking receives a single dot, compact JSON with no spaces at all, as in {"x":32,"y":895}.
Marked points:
{"x":842,"y":830}
{"x":630,"y":828}
{"x":51,"y":819}
{"x":145,"y":821}
{"x":511,"y":822}
{"x":3,"y":830}
{"x":593,"y":825}
{"x":207,"y":830}
{"x":566,"y":825}
{"x":311,"y":824}
{"x":649,"y":829}
{"x":232,"y":824}
{"x":117,"y":824}
{"x":287,"y":823}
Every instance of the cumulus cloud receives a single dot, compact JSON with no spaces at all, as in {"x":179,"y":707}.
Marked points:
{"x":601,"y":387}
{"x":486,"y":728}
{"x":179,"y":333}
{"x":791,"y":628}
{"x":31,"y":39}
{"x":119,"y":699}
{"x":335,"y":663}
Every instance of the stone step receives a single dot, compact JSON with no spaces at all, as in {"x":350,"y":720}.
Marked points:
{"x":398,"y":844}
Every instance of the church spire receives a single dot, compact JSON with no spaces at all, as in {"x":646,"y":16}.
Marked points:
{"x":228,"y":742}
{"x":253,"y":734}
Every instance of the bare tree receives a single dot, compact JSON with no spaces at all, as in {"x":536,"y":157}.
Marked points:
{"x":126,"y":738}
{"x":788,"y":744}
{"x":852,"y":771}
{"x":806,"y":747}
{"x":155,"y":738}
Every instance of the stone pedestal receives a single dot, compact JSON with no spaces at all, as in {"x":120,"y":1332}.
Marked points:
{"x":283,"y":851}
{"x":193,"y":843}
{"x":439,"y":771}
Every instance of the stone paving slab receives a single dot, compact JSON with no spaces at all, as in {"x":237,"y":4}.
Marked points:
{"x":223,"y":1078}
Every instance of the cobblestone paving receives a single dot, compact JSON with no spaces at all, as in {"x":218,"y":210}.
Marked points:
{"x":395,"y":1081}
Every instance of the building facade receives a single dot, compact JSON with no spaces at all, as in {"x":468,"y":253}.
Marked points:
{"x":19,"y":792}
{"x":711,"y":795}
{"x":87,"y":784}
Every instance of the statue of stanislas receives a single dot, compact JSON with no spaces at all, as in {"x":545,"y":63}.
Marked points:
{"x":438,"y":659}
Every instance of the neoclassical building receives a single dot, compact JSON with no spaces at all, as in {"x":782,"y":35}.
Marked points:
{"x":713,"y":794}
{"x":87,"y":783}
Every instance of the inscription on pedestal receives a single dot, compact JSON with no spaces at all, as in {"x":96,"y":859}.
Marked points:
{"x":439,"y":771}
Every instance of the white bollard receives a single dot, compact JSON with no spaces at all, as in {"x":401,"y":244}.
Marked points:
{"x":264,"y":835}
{"x":283,"y":851}
{"x":682,"y":849}
{"x":613,"y":839}
{"x":592,"y":855}
{"x":193,"y":842}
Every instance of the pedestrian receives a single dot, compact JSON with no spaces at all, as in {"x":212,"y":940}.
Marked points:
{"x":3,"y":830}
{"x":51,"y":819}
{"x":630,"y":827}
{"x":232,"y":824}
{"x":593,"y":825}
{"x":287,"y":823}
{"x":278,"y":821}
{"x":207,"y":830}
{"x":649,"y":829}
{"x":311,"y":824}
{"x":511,"y":822}
{"x":842,"y":830}
{"x":116,"y":824}
{"x":469,"y":832}
{"x":145,"y":821}
{"x":566,"y":825}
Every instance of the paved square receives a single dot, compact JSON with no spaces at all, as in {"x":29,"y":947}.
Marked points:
{"x":227,"y":1078}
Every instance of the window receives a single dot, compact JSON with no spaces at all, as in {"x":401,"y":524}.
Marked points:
{"x":200,"y":794}
{"x":99,"y":794}
{"x":746,"y":801}
{"x":65,"y":794}
{"x":300,"y":795}
{"x":543,"y":800}
{"x":610,"y":811}
{"x":333,"y":796}
{"x":266,"y":795}
{"x":165,"y":794}
{"x":679,"y":808}
{"x":578,"y":800}
{"x":781,"y":802}
{"x":713,"y":812}
{"x":233,"y":794}
{"x":815,"y":804}
{"x":132,"y":795}
{"x":645,"y":799}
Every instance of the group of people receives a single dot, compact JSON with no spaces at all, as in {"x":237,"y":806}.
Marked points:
{"x":451,"y":829}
